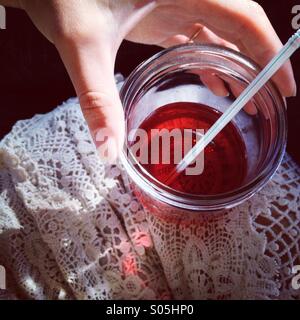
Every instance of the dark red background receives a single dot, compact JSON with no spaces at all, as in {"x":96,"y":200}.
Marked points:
{"x":33,"y":78}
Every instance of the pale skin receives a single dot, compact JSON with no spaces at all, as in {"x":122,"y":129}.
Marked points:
{"x":88,"y":33}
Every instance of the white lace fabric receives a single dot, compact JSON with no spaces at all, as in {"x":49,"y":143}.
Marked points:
{"x":70,"y":227}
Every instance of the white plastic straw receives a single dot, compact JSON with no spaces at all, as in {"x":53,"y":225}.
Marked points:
{"x":284,"y":54}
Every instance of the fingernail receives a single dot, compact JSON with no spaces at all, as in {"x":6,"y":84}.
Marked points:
{"x":221,"y":92}
{"x":250,"y":109}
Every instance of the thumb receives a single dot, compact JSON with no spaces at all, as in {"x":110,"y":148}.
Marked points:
{"x":90,"y":65}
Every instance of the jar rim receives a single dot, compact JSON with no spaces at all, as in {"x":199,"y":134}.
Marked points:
{"x":206,"y":202}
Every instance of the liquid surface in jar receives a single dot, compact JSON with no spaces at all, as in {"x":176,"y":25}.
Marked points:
{"x":225,"y":161}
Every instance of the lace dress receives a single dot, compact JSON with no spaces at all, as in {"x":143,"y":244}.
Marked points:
{"x":70,"y":227}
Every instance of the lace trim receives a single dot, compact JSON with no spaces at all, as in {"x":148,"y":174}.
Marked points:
{"x":76,"y":230}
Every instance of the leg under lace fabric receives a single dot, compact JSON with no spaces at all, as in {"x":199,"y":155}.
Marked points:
{"x":70,"y":227}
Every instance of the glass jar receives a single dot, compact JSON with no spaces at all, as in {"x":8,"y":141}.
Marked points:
{"x":173,"y":76}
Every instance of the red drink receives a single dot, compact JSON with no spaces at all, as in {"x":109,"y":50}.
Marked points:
{"x":225,"y":163}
